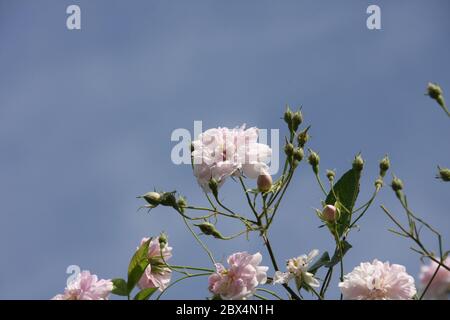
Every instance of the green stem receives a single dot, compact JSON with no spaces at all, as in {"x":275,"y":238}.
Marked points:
{"x":192,"y":268}
{"x":237,"y":216}
{"x":179,"y":280}
{"x":367,"y":206}
{"x":275,"y":266}
{"x":429,"y":283}
{"x":417,"y":241}
{"x":275,"y":208}
{"x":319,"y":181}
{"x":269,"y":292}
{"x":223,"y":206}
{"x":326,"y":282}
{"x":249,"y":201}
{"x":315,"y":293}
{"x":208,"y":252}
{"x":210,"y":201}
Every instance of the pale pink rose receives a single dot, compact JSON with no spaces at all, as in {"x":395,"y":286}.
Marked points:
{"x":440,"y":287}
{"x":157,"y":274}
{"x":221,"y":152}
{"x":86,"y":286}
{"x":240,"y":280}
{"x":378,"y":281}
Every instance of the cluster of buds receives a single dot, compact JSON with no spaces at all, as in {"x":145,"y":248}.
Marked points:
{"x":293,"y":119}
{"x":167,"y":199}
{"x":163,"y":240}
{"x":295,"y":154}
{"x":384,"y":167}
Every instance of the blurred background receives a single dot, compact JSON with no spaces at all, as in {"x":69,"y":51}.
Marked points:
{"x":86,"y":118}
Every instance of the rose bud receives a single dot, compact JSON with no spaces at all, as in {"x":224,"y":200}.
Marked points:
{"x":444,"y":174}
{"x":153,"y":198}
{"x":329,"y":213}
{"x":264,"y":182}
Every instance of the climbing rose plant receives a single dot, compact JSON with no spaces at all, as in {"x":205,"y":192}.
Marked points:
{"x":219,"y":155}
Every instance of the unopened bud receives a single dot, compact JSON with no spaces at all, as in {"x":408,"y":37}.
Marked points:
{"x":168,"y":199}
{"x":153,"y":198}
{"x":288,"y":117}
{"x":434,"y":90}
{"x":444,"y":174}
{"x":162,"y":240}
{"x":209,"y":229}
{"x":264,"y":182}
{"x":298,"y":154}
{"x":314,"y":160}
{"x":396,"y":184}
{"x":379,"y":183}
{"x":331,"y":175}
{"x":358,"y":163}
{"x":329,"y":213}
{"x":213,"y":186}
{"x":384,"y":166}
{"x":297,"y":119}
{"x":303,"y":137}
{"x":181,"y":203}
{"x":289,"y":149}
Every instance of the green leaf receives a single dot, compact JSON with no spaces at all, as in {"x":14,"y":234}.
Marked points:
{"x":323,"y":260}
{"x":137,"y":265}
{"x":145,"y":294}
{"x":346,"y":191}
{"x":120,"y":287}
{"x":337,"y":254}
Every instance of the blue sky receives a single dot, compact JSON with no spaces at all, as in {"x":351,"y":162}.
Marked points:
{"x":86,"y":118}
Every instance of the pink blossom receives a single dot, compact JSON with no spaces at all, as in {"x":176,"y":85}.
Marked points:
{"x":86,"y":286}
{"x":241,"y":279}
{"x":378,"y":281}
{"x":221,"y":152}
{"x":440,"y":287}
{"x":157,"y":274}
